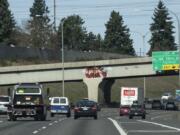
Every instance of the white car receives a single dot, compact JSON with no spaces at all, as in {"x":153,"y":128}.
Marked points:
{"x":166,"y":96}
{"x":60,"y":105}
{"x":4,"y":102}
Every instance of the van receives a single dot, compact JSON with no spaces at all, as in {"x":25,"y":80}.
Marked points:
{"x":5,"y":101}
{"x":60,"y":105}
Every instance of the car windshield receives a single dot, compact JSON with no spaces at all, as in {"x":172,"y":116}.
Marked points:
{"x":170,"y":102}
{"x":156,"y":101}
{"x":56,"y":100}
{"x":62,"y":100}
{"x":166,"y":94}
{"x":85,"y":103}
{"x":136,"y":106}
{"x":29,"y":90}
{"x":4,"y":99}
{"x":125,"y":107}
{"x":148,"y":102}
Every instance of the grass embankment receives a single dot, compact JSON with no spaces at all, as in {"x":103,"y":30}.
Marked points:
{"x":155,"y":86}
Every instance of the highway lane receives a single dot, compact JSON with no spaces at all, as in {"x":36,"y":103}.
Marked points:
{"x":157,"y":123}
{"x":58,"y":125}
{"x":109,"y":123}
{"x":82,"y":126}
{"x":21,"y":126}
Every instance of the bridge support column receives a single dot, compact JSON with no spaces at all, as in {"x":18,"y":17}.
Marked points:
{"x":106,"y":86}
{"x":93,"y":86}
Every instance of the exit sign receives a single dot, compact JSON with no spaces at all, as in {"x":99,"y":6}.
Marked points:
{"x":165,"y":60}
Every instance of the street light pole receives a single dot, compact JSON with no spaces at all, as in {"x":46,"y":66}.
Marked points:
{"x":144,"y":87}
{"x":143,"y":37}
{"x":62,"y":42}
{"x":55,"y":15}
{"x":144,"y":46}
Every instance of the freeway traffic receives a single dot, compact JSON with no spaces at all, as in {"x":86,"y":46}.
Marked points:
{"x":157,"y":122}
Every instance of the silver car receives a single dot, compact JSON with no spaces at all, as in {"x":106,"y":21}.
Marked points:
{"x":4,"y":102}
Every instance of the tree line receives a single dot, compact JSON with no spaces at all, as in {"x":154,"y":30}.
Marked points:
{"x":39,"y":31}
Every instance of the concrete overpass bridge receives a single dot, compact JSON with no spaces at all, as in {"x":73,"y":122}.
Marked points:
{"x":92,"y":73}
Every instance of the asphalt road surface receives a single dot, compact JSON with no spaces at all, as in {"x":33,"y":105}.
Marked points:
{"x":108,"y":123}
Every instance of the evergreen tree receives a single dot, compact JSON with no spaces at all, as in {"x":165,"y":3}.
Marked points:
{"x":99,"y":42}
{"x":117,"y":37}
{"x":40,"y":29}
{"x":90,"y":42}
{"x":20,"y":37}
{"x":7,"y":22}
{"x":162,"y":30}
{"x":74,"y":33}
{"x":93,"y":42}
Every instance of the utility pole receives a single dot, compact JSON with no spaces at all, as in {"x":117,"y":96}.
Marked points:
{"x":55,"y":15}
{"x":62,"y":34}
{"x":144,"y":50}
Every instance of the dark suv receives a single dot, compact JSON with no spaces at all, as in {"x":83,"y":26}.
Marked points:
{"x":156,"y":104}
{"x":137,"y":110}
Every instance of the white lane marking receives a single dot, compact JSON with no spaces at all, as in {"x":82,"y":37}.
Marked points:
{"x":167,"y":115}
{"x":55,"y":121}
{"x":153,"y":131}
{"x":35,"y":132}
{"x":1,"y":121}
{"x":118,"y":127}
{"x":127,"y":122}
{"x":162,"y":125}
{"x":50,"y":124}
{"x":44,"y":127}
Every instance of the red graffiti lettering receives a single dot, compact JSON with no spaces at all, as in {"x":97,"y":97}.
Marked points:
{"x":95,"y":72}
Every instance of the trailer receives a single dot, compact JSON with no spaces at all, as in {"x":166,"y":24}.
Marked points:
{"x":130,"y":95}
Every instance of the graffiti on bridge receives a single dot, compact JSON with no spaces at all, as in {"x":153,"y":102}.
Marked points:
{"x":95,"y":72}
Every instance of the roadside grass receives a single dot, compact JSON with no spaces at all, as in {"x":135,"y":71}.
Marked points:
{"x":155,"y":86}
{"x":73,"y":90}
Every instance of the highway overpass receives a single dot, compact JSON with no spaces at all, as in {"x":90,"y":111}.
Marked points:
{"x":91,"y":72}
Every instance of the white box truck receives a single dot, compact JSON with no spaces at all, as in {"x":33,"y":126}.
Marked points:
{"x":131,"y":94}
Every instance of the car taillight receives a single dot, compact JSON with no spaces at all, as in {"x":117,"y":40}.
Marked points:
{"x":76,"y":109}
{"x":94,"y":108}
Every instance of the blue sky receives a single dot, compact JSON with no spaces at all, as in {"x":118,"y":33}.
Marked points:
{"x":137,"y":14}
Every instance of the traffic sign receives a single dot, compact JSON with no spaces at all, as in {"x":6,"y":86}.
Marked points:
{"x":170,"y":67}
{"x":178,"y":95}
{"x":165,"y":60}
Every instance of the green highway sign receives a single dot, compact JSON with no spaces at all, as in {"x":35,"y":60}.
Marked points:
{"x":165,"y":60}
